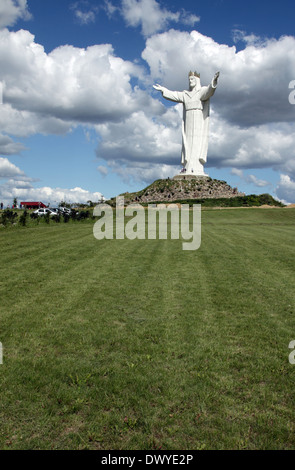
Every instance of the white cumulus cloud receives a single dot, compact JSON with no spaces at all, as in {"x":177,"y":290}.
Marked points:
{"x":285,"y":189}
{"x":253,"y":84}
{"x":12,"y":10}
{"x":70,"y":84}
{"x":252,"y":179}
{"x":8,"y":146}
{"x":8,"y":169}
{"x":142,"y":138}
{"x":141,"y":172}
{"x":151,"y":17}
{"x":84,"y":11}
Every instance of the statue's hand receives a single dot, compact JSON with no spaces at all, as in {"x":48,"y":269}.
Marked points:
{"x":215,"y":78}
{"x":158,"y":87}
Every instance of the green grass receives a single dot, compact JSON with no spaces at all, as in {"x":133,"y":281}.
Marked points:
{"x":120,"y":344}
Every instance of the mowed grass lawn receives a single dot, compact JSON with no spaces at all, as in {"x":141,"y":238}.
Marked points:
{"x":121,"y":344}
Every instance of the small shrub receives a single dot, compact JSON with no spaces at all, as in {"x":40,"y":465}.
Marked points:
{"x":8,"y":216}
{"x":73,"y":214}
{"x":83,"y":215}
{"x":56,"y":218}
{"x":23,"y":218}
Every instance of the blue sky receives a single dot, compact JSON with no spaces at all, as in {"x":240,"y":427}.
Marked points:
{"x":80,"y":118}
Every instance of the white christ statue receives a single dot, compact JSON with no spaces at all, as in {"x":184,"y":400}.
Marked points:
{"x":195,"y":123}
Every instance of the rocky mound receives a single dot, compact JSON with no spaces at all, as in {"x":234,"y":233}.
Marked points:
{"x":180,"y":188}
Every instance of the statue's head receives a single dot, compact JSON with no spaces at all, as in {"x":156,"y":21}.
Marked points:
{"x":194,"y":80}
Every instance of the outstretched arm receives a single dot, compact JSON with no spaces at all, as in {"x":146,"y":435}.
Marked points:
{"x":209,"y":90}
{"x":168,"y":94}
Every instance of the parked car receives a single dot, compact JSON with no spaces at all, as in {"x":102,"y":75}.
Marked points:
{"x":53,"y":212}
{"x":64,"y":210}
{"x":41,"y":212}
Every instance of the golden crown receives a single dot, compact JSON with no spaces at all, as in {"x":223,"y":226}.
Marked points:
{"x":196,"y":74}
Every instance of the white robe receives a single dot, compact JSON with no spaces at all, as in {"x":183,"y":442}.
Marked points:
{"x":195,"y":125}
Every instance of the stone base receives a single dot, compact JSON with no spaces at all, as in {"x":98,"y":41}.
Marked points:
{"x":183,"y":176}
